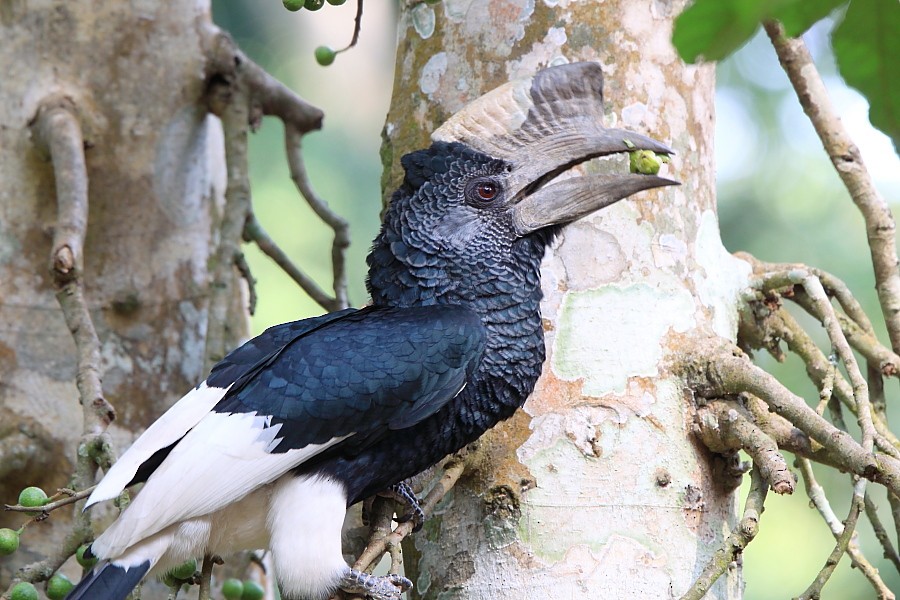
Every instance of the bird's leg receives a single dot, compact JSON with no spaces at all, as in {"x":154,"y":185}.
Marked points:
{"x":387,"y":587}
{"x":367,"y":510}
{"x":402,"y":493}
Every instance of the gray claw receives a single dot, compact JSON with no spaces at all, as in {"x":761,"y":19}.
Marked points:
{"x":403,"y":493}
{"x":387,"y":587}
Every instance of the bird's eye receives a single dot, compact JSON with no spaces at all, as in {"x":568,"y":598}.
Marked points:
{"x":483,"y":192}
{"x":486,"y":190}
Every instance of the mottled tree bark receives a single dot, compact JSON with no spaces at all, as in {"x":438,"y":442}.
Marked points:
{"x":133,"y":73}
{"x":597,"y":488}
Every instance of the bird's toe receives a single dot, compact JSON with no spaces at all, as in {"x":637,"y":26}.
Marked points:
{"x":387,"y":587}
{"x":403,"y":493}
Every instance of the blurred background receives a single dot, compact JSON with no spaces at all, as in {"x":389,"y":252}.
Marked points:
{"x":779,"y":199}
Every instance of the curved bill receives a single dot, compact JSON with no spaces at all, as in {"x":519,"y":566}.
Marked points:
{"x":543,"y":125}
{"x":571,"y":199}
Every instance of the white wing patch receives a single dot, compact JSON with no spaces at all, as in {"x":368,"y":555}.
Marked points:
{"x":221,"y":460}
{"x":165,"y":431}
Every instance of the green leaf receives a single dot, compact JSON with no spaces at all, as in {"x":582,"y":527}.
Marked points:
{"x":866,"y":45}
{"x":713,"y":29}
{"x":797,"y":17}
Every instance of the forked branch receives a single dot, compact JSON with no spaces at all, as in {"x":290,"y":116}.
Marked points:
{"x":58,"y":133}
{"x":239,"y":85}
{"x":845,"y":156}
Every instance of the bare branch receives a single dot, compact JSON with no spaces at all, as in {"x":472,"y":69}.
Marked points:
{"x":826,"y":389}
{"x":253,"y":231}
{"x":293,"y":147}
{"x":782,"y":325}
{"x":241,"y":81}
{"x":844,"y":534}
{"x":880,"y":226}
{"x":861,"y":340}
{"x":821,"y":308}
{"x":266,"y":95}
{"x":230,"y":103}
{"x":881,"y":533}
{"x":725,"y":426}
{"x":58,"y":133}
{"x":872,"y":350}
{"x":357,"y":26}
{"x":240,"y":261}
{"x":833,"y":286}
{"x":729,"y":373}
{"x":736,"y":541}
{"x":44,"y":569}
{"x":894,"y":502}
{"x":206,"y":576}
{"x":376,"y":548}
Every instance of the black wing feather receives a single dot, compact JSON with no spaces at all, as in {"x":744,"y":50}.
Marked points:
{"x":362,"y":372}
{"x":240,"y":361}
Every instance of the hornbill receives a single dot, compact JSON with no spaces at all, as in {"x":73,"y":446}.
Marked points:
{"x":310,"y":417}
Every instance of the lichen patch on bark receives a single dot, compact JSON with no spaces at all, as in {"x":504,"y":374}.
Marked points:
{"x":592,"y":340}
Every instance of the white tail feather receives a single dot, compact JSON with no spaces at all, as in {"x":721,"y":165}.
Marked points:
{"x":165,"y":431}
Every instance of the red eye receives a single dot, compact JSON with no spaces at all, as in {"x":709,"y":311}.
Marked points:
{"x":486,"y":190}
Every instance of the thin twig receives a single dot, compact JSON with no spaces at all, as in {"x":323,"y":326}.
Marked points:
{"x":870,"y":348}
{"x":376,"y":548}
{"x":880,"y":227}
{"x":357,"y":23}
{"x":826,"y":389}
{"x":240,"y":261}
{"x":894,"y":503}
{"x":844,"y":534}
{"x":881,"y":533}
{"x":254,"y":232}
{"x":736,"y":541}
{"x":293,"y":147}
{"x":68,"y":497}
{"x":821,"y":308}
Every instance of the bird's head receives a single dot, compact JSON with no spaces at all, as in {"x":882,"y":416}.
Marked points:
{"x":486,"y":191}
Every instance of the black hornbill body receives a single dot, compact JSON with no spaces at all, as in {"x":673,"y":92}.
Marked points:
{"x":313,"y":416}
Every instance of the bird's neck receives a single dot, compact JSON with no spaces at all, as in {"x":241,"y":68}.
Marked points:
{"x":502,"y":288}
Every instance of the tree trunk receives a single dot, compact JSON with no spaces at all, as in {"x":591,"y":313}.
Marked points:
{"x":597,"y":488}
{"x":133,"y":74}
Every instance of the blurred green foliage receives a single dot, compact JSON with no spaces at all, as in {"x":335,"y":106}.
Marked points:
{"x":866,"y":41}
{"x":779,"y":199}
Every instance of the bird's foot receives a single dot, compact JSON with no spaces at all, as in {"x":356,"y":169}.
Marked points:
{"x":403,"y":493}
{"x":386,"y":587}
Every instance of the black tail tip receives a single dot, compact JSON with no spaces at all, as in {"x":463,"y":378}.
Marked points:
{"x":109,"y":582}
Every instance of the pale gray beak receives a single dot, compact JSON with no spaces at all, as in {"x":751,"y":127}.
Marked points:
{"x":542,"y":126}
